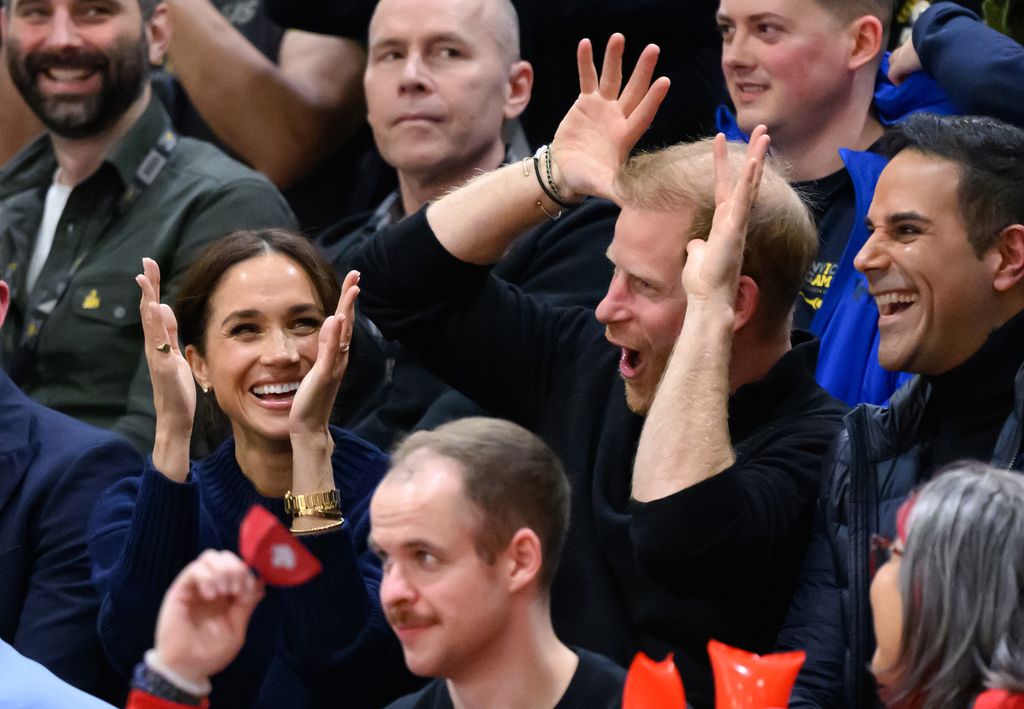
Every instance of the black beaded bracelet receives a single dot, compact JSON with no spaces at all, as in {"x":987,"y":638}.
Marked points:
{"x":152,"y":682}
{"x":540,"y":181}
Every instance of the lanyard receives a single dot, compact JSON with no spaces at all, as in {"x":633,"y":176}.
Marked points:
{"x":145,"y":175}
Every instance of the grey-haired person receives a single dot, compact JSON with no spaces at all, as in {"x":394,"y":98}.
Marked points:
{"x":949,"y":603}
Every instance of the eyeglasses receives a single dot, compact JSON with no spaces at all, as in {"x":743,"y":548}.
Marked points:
{"x":882,"y":550}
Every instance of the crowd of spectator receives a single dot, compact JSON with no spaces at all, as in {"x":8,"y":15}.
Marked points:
{"x":547,"y":348}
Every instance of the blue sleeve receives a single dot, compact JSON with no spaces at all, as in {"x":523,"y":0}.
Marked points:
{"x":28,"y":685}
{"x":143,"y":532}
{"x":57,"y":625}
{"x":335,"y":632}
{"x":980,"y":68}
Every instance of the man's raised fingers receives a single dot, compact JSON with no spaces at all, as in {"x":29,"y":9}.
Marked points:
{"x":611,"y":70}
{"x":585,"y":66}
{"x":640,"y":119}
{"x":745,"y":191}
{"x":758,"y":159}
{"x":723,"y":169}
{"x":640,"y":79}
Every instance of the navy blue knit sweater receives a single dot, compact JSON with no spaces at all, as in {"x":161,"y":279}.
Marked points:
{"x":307,"y":646}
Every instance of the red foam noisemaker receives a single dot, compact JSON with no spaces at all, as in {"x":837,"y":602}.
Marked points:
{"x":744,"y":680}
{"x":273,"y":552}
{"x":653,"y":685}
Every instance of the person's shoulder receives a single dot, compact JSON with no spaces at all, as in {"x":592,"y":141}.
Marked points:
{"x":433,"y":696}
{"x":205,"y":162}
{"x":598,"y":682}
{"x":60,"y":435}
{"x":599,"y":666}
{"x":358,"y":464}
{"x":31,"y":167}
{"x":346,"y":443}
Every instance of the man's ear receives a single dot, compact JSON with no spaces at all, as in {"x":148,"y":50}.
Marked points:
{"x":748,"y":296}
{"x":5,"y":301}
{"x":523,"y":558}
{"x":520,"y":80}
{"x":159,"y":31}
{"x":866,"y":34}
{"x":198,"y":365}
{"x":1010,"y":267}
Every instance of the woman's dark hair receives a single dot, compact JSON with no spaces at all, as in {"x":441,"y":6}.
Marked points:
{"x":962,"y":586}
{"x":192,"y":304}
{"x":200,"y":281}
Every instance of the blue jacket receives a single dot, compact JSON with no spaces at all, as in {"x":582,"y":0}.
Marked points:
{"x":947,"y":37}
{"x":52,"y":469}
{"x":847,"y":322}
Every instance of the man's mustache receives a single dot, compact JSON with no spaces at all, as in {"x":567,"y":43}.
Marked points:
{"x":76,"y":59}
{"x":402,"y":616}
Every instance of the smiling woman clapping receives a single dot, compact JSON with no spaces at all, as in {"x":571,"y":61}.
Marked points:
{"x":262,"y":338}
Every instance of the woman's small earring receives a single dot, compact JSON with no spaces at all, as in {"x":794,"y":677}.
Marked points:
{"x":206,"y":389}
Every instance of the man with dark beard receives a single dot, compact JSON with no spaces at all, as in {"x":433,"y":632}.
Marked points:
{"x":109,"y":183}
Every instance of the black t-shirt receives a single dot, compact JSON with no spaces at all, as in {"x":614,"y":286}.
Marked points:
{"x":832,"y":201}
{"x":597,"y":684}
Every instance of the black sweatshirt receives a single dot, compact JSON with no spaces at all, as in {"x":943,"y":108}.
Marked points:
{"x":717,"y":560}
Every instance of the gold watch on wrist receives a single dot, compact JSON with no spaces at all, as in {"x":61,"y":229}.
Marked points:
{"x":326,"y":503}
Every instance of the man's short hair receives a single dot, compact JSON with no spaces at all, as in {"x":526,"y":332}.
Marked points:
{"x":850,"y":10}
{"x":506,"y":29}
{"x":146,"y":7}
{"x":989,"y":156}
{"x":512,"y":478}
{"x":781,"y":236}
{"x":847,"y":11}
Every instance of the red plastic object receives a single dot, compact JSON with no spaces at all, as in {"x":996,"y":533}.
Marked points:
{"x":999,"y":699}
{"x":137,"y":699}
{"x":271,"y":550}
{"x":653,"y":685}
{"x":744,"y":680}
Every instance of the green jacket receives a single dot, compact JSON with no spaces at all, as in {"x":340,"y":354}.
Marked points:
{"x":86,"y":360}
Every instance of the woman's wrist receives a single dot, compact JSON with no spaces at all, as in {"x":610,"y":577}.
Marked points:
{"x":312,"y":469}
{"x":171,"y":453}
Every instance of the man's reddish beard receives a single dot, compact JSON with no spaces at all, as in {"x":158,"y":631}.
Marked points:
{"x":640,"y":395}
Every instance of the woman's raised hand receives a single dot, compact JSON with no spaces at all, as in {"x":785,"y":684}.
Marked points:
{"x":174,"y":390}
{"x":314,"y":400}
{"x":312,"y":444}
